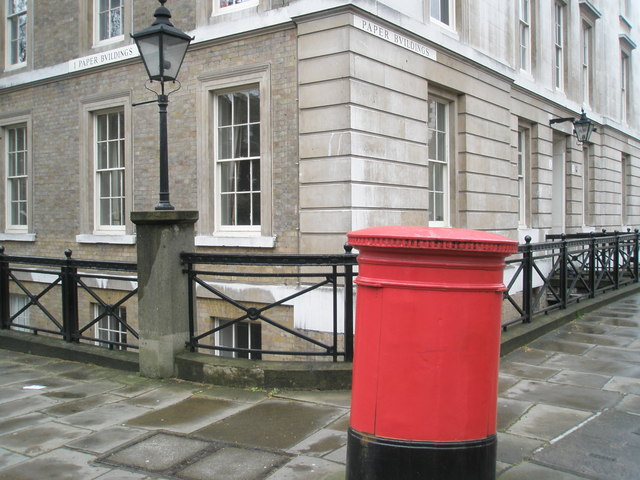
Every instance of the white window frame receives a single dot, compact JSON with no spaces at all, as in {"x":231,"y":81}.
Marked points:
{"x":625,"y":182}
{"x":96,"y":24}
{"x":90,"y":229}
{"x":16,"y":303}
{"x":108,"y":328}
{"x":444,"y":134}
{"x":586,"y":59}
{"x":625,"y":85}
{"x":220,"y":163}
{"x":560,"y":16}
{"x":10,"y":231}
{"x":437,"y":15}
{"x":210,"y":230}
{"x":524,"y":162}
{"x":10,"y":17}
{"x":524,"y":35}
{"x":119,"y":170}
{"x":12,"y":224}
{"x":220,"y":10}
{"x":251,"y":325}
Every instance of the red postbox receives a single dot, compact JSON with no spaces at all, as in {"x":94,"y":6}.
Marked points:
{"x":427,"y":348}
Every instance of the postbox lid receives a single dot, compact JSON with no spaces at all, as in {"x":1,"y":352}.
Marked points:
{"x":432,"y":238}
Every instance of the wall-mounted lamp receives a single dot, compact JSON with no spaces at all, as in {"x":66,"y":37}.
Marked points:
{"x":582,"y":127}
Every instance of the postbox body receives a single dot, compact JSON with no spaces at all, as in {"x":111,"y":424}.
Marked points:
{"x":427,"y":345}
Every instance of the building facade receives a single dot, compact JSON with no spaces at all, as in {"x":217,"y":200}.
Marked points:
{"x":297,"y":121}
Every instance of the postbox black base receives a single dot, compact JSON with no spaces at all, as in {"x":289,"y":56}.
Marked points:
{"x":375,"y":458}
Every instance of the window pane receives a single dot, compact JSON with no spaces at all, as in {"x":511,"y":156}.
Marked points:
{"x":254,"y":107}
{"x":254,"y":140}
{"x":255,"y":173}
{"x":244,"y":209}
{"x":240,"y":108}
{"x":256,"y":209}
{"x":244,"y":176}
{"x":242,"y":339}
{"x":241,"y":147}
{"x":225,"y":141}
{"x":227,"y":211}
{"x":227,"y":177}
{"x":224,"y":109}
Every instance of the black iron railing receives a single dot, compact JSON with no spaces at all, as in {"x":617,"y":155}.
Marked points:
{"x":553,"y":274}
{"x":304,"y":274}
{"x":69,"y":278}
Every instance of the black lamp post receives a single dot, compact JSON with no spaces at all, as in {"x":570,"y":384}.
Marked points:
{"x":162,"y":48}
{"x":582,"y":127}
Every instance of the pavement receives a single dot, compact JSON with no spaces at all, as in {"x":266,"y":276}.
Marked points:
{"x":568,"y":409}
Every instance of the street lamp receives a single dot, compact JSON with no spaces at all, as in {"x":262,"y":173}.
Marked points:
{"x":162,"y":48}
{"x":582,"y":127}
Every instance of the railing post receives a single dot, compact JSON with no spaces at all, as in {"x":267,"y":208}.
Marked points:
{"x":348,"y":308}
{"x":69,"y":300}
{"x":192,"y":307}
{"x":563,"y":271}
{"x":616,"y":261}
{"x":592,"y":265}
{"x":527,"y":280}
{"x":5,"y":309}
{"x":636,"y":250}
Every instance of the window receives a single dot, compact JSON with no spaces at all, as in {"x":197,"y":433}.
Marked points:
{"x":586,"y":185}
{"x":525,"y":35}
{"x":110,"y":327}
{"x":624,"y":86}
{"x":438,"y":135}
{"x":625,"y":182}
{"x":106,"y":188}
{"x":243,"y":335}
{"x":109,"y":15}
{"x":523,"y":169}
{"x":559,"y":36}
{"x":587,"y":48}
{"x":110,"y":170}
{"x":16,"y":304}
{"x":17,"y":159}
{"x":238,"y":159}
{"x":234,"y":158}
{"x":441,"y":11}
{"x":16,"y":32}
{"x":224,"y":6}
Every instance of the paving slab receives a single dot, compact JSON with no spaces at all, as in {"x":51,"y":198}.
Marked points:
{"x":592,"y":365}
{"x":272,"y":424}
{"x":304,"y":468}
{"x":608,"y":447}
{"x":103,"y":416}
{"x":159,"y":397}
{"x":338,"y":456}
{"x":339,"y":399}
{"x":546,"y":422}
{"x":232,"y":462}
{"x":107,"y":439}
{"x":513,"y":449}
{"x":13,"y":423}
{"x":580,"y":379}
{"x":157,"y":453}
{"x":527,"y":371}
{"x":531,"y":471}
{"x":8,"y":458}
{"x":529,"y":355}
{"x":240,"y":395}
{"x":321,"y":443}
{"x":623,"y":385}
{"x":593,"y":339}
{"x":24,"y":405}
{"x":40,"y":438}
{"x":608,"y":353}
{"x":568,"y":396}
{"x":78,"y":406}
{"x":509,"y":411}
{"x":60,"y":464}
{"x":630,"y":404}
{"x":188,"y":415}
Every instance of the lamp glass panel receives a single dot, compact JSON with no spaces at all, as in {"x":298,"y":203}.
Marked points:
{"x":175,"y":49}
